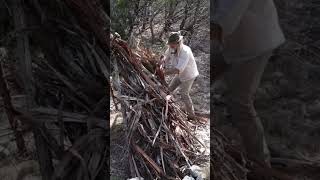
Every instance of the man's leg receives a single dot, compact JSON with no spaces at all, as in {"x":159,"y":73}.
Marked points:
{"x":243,"y":81}
{"x":185,"y":96}
{"x":175,"y":82}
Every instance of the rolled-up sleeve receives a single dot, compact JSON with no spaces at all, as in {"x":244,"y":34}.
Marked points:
{"x":228,"y":13}
{"x":183,"y":60}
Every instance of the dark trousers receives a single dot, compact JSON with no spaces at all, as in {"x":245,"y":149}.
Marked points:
{"x":242,"y":80}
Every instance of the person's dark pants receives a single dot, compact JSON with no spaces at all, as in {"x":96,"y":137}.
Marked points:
{"x":243,"y":80}
{"x":185,"y":87}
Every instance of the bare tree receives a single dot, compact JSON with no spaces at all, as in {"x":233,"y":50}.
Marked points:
{"x":166,"y":15}
{"x":170,"y":10}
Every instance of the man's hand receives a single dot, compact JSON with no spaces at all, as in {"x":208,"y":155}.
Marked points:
{"x":171,"y":71}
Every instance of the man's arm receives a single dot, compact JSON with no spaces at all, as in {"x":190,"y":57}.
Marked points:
{"x":183,"y":60}
{"x":228,"y":13}
{"x":165,"y":59}
{"x":166,"y":56}
{"x":182,"y":63}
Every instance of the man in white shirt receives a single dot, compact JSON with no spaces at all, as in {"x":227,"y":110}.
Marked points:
{"x":250,"y":32}
{"x":180,"y":62}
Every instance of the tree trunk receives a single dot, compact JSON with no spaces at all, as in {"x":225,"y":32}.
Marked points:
{"x":186,"y":12}
{"x":168,"y":17}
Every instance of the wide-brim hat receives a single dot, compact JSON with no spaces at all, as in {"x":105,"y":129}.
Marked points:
{"x":174,"y":37}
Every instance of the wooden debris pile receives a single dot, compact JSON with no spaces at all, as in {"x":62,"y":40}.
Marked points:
{"x":161,"y":138}
{"x":75,"y":64}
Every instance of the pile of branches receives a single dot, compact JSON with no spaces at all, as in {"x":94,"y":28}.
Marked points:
{"x":76,"y":63}
{"x":159,"y":134}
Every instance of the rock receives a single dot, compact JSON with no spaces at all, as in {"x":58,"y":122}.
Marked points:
{"x":194,"y":172}
{"x":188,"y":178}
{"x":205,"y":172}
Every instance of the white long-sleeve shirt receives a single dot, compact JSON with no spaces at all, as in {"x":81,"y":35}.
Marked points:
{"x":251,"y":27}
{"x":184,"y":61}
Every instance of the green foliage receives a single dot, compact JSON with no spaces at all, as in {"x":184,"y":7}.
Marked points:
{"x":121,"y":17}
{"x":122,"y":4}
